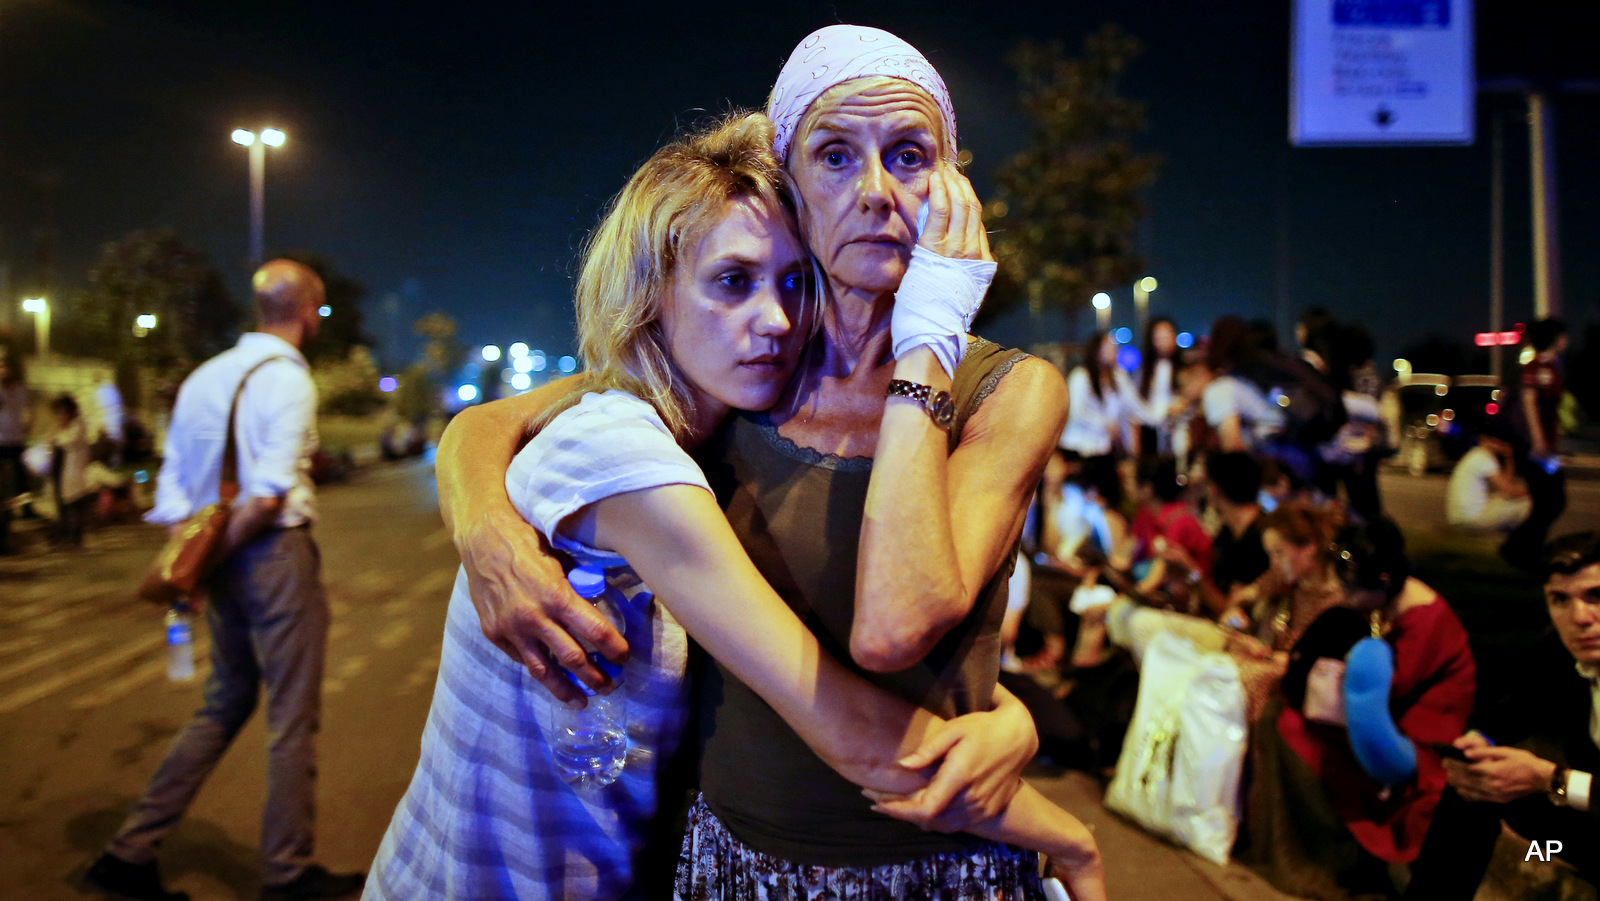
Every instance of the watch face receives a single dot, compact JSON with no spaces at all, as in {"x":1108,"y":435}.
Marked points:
{"x":941,"y":408}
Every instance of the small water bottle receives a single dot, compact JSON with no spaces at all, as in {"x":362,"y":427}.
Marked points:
{"x":590,"y":746}
{"x":180,"y":645}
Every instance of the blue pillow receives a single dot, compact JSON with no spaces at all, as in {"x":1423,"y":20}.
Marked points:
{"x":1384,"y":753}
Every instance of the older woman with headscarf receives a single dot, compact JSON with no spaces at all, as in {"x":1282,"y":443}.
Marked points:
{"x":888,"y":524}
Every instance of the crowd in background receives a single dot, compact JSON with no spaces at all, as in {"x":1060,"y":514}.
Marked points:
{"x":1228,"y":493}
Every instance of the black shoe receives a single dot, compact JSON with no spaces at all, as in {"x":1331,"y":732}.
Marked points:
{"x":315,"y":882}
{"x":139,"y":881}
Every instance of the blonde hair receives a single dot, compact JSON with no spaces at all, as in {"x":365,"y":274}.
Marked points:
{"x":629,"y":263}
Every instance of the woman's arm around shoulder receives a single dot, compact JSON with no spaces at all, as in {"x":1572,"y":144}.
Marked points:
{"x":524,"y":603}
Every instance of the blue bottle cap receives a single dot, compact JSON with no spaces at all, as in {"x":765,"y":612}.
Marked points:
{"x":587,"y":581}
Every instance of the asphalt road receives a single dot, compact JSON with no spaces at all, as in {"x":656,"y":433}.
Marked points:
{"x":86,"y":710}
{"x":1417,"y":502}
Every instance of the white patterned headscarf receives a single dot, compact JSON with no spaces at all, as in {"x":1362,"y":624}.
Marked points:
{"x":838,"y":53}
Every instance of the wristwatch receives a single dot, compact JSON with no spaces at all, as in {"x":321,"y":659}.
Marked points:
{"x":938,"y":404}
{"x":1557,"y":792}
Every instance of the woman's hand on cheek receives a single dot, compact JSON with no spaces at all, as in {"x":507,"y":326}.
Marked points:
{"x":955,"y":217}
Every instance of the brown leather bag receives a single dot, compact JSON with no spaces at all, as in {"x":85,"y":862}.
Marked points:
{"x":190,"y":552}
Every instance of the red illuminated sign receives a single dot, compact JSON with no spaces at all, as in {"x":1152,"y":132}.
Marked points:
{"x":1490,"y":339}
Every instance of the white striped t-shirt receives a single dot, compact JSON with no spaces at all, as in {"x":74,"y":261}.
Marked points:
{"x":486,"y":815}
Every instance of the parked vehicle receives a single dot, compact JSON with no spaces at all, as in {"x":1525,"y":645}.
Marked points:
{"x":1440,"y":417}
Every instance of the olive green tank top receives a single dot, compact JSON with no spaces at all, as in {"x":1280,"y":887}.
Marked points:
{"x":798,"y":513}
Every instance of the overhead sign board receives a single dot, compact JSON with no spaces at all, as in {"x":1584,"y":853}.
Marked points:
{"x":1382,"y":72}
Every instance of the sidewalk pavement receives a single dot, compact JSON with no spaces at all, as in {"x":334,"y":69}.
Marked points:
{"x":1140,"y":866}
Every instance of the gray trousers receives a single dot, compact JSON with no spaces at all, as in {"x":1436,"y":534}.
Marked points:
{"x":269,"y":625}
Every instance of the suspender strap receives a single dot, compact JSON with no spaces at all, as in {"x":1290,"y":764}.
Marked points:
{"x":228,"y":491}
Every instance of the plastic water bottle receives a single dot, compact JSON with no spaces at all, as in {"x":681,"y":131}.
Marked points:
{"x":590,"y":746}
{"x":180,"y":645}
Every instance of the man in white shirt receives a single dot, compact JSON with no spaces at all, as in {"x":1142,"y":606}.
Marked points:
{"x":267,"y":612}
{"x":1551,"y":802}
{"x":16,"y":424}
{"x":1484,"y":492}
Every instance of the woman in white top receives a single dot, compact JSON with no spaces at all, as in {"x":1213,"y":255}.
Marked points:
{"x":1235,"y":408}
{"x":1099,"y":419}
{"x":1152,"y":395}
{"x":16,"y":424}
{"x":689,"y":306}
{"x":69,"y":444}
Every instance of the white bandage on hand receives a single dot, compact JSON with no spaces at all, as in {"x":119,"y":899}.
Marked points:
{"x":935,"y":304}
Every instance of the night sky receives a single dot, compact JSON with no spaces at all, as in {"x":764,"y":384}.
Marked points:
{"x":454,"y":159}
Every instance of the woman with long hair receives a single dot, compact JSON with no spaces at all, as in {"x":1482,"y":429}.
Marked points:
{"x":1152,"y":397}
{"x":1100,"y":417}
{"x":688,"y":308}
{"x":882,"y":495}
{"x":1235,"y":408}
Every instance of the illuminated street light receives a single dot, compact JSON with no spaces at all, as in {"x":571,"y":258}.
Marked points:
{"x":40,"y":308}
{"x":491,"y":352}
{"x":1102,"y":308}
{"x":518,"y":350}
{"x":146,"y":320}
{"x":324,"y":311}
{"x":1402,"y":365}
{"x":522,"y":364}
{"x":567,"y":363}
{"x":270,"y":137}
{"x":468,"y":393}
{"x":521,"y":381}
{"x":540,"y":361}
{"x":1141,"y":301}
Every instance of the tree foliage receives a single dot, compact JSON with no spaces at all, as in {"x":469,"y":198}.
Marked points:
{"x":348,"y":387}
{"x":418,"y":396}
{"x":1068,"y":207}
{"x":151,"y":272}
{"x":443,"y":352}
{"x":341,"y":331}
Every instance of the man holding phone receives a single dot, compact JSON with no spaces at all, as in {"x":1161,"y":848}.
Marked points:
{"x":1546,"y":797}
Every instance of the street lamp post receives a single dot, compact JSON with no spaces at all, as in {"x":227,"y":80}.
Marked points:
{"x":40,"y":308}
{"x":1141,"y":301}
{"x":258,"y":144}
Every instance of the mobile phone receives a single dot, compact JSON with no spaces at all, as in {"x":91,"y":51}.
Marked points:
{"x":1448,"y":751}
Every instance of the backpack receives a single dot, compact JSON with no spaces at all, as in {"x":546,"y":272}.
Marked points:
{"x":1313,"y":409}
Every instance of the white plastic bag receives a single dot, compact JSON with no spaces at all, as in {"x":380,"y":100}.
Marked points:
{"x":1178,"y":775}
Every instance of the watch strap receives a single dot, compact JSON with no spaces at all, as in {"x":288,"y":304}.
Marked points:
{"x":937,"y":404}
{"x":1557,"y":791}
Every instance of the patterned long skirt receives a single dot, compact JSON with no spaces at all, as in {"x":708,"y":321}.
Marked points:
{"x":715,"y":866}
